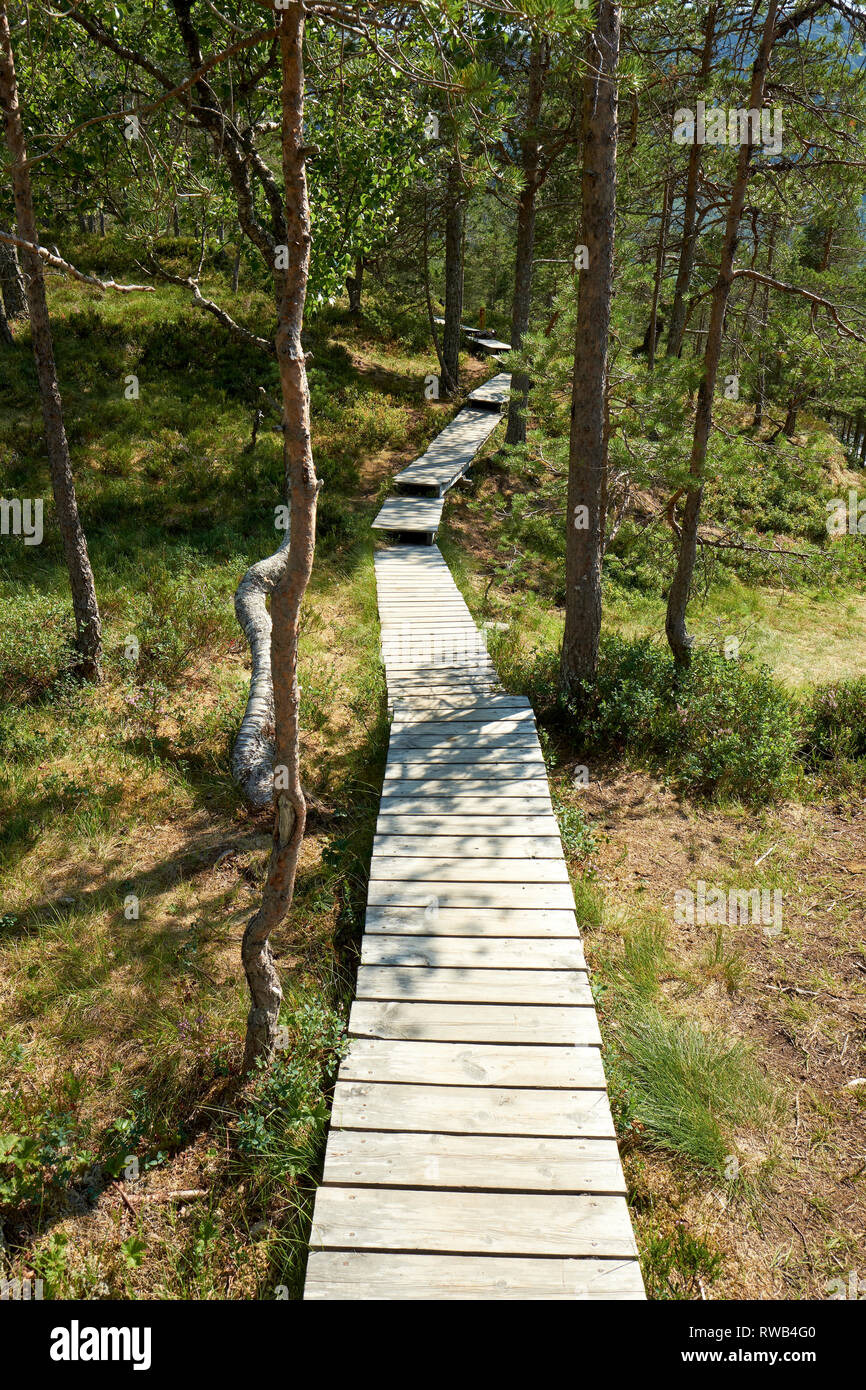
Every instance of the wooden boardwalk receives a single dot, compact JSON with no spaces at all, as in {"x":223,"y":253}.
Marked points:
{"x":472,"y":1152}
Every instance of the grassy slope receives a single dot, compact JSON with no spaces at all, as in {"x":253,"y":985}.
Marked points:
{"x":729,"y":1052}
{"x":120,"y":1036}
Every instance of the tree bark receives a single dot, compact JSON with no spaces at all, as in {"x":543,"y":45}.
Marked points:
{"x":690,"y":206}
{"x":355,"y":285}
{"x":12,"y":287}
{"x":84,"y":603}
{"x":654,"y":331}
{"x":790,"y":424}
{"x":761,"y":402}
{"x":454,"y":216}
{"x":678,"y":596}
{"x":253,"y":753}
{"x":303,"y":488}
{"x":5,"y":333}
{"x":588,"y":439}
{"x":530,"y":163}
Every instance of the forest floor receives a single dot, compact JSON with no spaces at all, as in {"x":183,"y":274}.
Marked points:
{"x":129,"y":1169}
{"x":791,"y":1219}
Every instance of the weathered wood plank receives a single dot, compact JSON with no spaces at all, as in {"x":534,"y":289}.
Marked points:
{"x":414,"y":799}
{"x":473,"y":1064}
{"x":409,"y":514}
{"x":473,"y":986}
{"x":558,"y":1025}
{"x":475,"y":1162}
{"x":478,"y":770}
{"x":472,"y":921}
{"x":397,"y":868}
{"x":498,"y":827}
{"x":465,"y":846}
{"x":508,"y":722}
{"x":368,"y":1276}
{"x":472,"y":1110}
{"x":438,"y":894}
{"x":487,"y":953}
{"x":492,"y":1223}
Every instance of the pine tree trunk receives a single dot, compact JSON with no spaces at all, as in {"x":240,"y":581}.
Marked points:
{"x":288,"y":594}
{"x":355,"y":285}
{"x":678,"y":596}
{"x":588,"y":440}
{"x":454,"y":215}
{"x":85,"y":607}
{"x":790,"y":424}
{"x":690,"y":206}
{"x":5,"y":333}
{"x":654,"y":328}
{"x":12,"y":287}
{"x":515,"y":430}
{"x":761,"y":402}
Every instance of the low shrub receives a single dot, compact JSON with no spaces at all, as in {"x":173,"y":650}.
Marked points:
{"x":722,"y":728}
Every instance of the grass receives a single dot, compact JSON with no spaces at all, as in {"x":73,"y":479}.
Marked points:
{"x":129,"y":866}
{"x":688,"y":1090}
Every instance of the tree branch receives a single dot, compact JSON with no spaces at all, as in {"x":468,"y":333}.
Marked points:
{"x":809,"y":295}
{"x":237,"y":330}
{"x":60,"y":264}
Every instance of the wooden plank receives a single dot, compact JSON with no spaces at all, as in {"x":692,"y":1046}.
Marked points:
{"x":447,"y":710}
{"x":559,"y":1025}
{"x":340,"y":1275}
{"x":439,"y":894}
{"x":472,"y":1064}
{"x":396,"y":868}
{"x":470,"y":1121}
{"x":444,"y":771}
{"x":409,"y":799}
{"x":501,"y":1110}
{"x":498,"y":827}
{"x":492,"y":345}
{"x":479,"y":1162}
{"x":470,"y":792}
{"x":451,"y":453}
{"x":409,"y":514}
{"x":518,"y":743}
{"x":469,"y":922}
{"x":493,"y":393}
{"x":472,"y":986}
{"x":456,"y":846}
{"x":491,"y":1223}
{"x":521,"y":722}
{"x":489,"y":952}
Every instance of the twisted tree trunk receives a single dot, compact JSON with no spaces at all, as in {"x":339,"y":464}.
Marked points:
{"x":253,"y":753}
{"x":85,"y":607}
{"x":303,"y":488}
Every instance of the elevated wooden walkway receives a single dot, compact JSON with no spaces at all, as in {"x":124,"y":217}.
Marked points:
{"x":472,"y":1152}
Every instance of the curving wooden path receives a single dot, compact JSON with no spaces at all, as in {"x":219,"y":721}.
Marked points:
{"x":471,"y":1152}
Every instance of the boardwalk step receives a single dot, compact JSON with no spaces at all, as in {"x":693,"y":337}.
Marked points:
{"x":472,"y":1152}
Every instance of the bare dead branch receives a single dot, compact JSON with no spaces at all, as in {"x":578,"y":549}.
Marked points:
{"x":59,"y":263}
